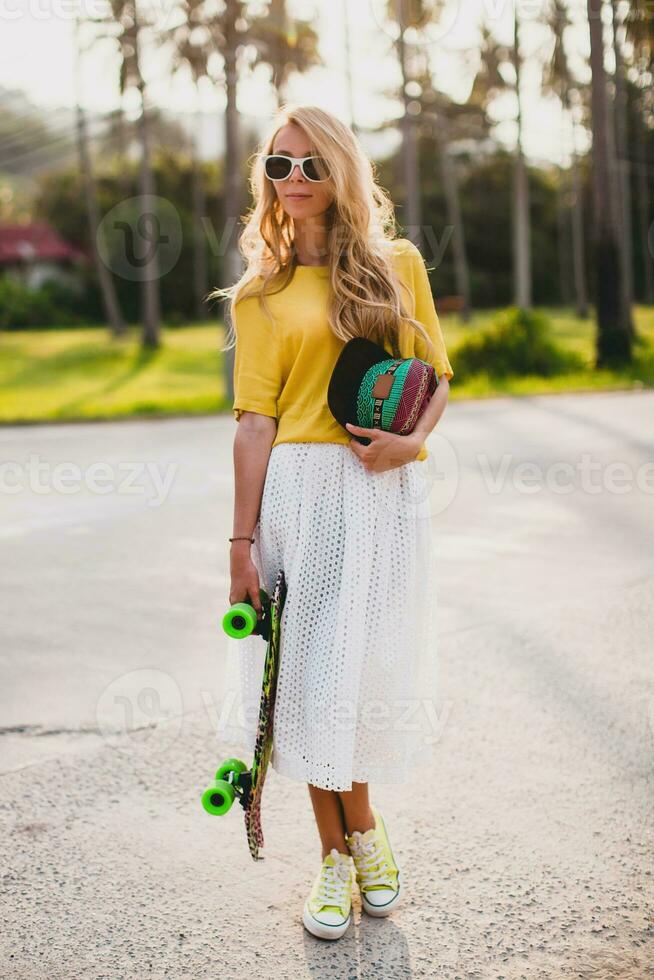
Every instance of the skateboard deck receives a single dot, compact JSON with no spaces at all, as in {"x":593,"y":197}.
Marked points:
{"x":233,"y":778}
{"x":264,"y":741}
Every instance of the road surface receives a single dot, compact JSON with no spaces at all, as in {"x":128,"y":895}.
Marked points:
{"x":527,"y":847}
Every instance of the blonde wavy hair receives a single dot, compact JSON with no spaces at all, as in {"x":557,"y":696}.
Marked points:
{"x":365,"y":291}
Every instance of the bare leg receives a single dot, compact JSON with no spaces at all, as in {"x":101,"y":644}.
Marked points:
{"x":356,"y":809}
{"x":329,"y":818}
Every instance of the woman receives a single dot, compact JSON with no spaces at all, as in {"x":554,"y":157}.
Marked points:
{"x":348,"y":522}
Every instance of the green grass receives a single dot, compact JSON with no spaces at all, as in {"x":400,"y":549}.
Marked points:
{"x":572,"y":334}
{"x":51,"y":375}
{"x":84,"y":374}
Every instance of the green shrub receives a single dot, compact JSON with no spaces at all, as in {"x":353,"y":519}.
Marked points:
{"x":52,"y":304}
{"x":516,"y":343}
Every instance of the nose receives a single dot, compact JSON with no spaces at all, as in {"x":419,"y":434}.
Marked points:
{"x":299,"y":172}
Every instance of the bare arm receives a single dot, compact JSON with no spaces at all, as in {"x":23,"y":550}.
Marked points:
{"x":431,"y":415}
{"x":253,"y":441}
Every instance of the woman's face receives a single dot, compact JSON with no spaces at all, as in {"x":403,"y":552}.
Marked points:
{"x":300,"y":198}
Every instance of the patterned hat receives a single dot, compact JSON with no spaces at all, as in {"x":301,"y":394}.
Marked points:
{"x":370,"y":388}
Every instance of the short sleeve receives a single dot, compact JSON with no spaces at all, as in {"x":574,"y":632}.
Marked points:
{"x":426,"y":314}
{"x":257,"y":363}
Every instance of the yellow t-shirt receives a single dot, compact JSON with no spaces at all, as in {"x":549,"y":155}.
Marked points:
{"x":282,"y":370}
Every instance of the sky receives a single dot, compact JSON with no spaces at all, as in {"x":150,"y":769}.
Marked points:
{"x":36,"y":56}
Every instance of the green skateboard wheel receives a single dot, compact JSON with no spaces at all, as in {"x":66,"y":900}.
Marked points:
{"x":218,"y":799}
{"x":230,"y":765}
{"x":239,"y":620}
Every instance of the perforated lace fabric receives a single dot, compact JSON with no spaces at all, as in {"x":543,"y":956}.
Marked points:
{"x":356,"y":694}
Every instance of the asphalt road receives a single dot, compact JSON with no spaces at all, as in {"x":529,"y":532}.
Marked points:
{"x":527,"y":847}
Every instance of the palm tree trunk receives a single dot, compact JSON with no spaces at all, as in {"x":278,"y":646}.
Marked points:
{"x":562,"y":237}
{"x":642,"y":190}
{"x":124,"y":179}
{"x":613,"y":336}
{"x":622,"y":169}
{"x":577,"y":223}
{"x":347,"y":54}
{"x":110,"y":300}
{"x":200,"y":269}
{"x":278,"y":17}
{"x":150,"y":303}
{"x":453,"y":207}
{"x":233,"y":184}
{"x":412,"y":222}
{"x":521,"y":231}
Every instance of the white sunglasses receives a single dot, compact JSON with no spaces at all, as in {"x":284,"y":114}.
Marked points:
{"x":279,"y":167}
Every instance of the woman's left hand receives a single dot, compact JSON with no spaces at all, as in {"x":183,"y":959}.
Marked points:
{"x":386,"y":451}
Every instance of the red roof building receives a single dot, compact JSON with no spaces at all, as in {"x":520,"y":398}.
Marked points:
{"x":35,"y":253}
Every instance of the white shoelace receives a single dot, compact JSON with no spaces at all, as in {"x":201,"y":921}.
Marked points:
{"x":334,"y":881}
{"x":371,"y":867}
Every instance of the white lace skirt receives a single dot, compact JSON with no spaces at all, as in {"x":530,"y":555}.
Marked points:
{"x":356,"y":695}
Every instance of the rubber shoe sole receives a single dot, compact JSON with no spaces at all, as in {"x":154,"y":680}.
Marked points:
{"x":380,"y":911}
{"x":320,"y":929}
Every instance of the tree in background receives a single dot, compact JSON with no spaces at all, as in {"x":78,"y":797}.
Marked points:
{"x":521,"y":216}
{"x":409,"y":16}
{"x":498,"y":73}
{"x":110,"y":300}
{"x":123,"y":24}
{"x":613,"y":332}
{"x":621,"y":168}
{"x":557,"y":78}
{"x":449,"y":123}
{"x":347,"y":55}
{"x":639,"y":26}
{"x":287,"y":45}
{"x":191,"y":47}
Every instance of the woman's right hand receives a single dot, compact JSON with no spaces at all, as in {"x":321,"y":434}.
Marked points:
{"x":244,"y":577}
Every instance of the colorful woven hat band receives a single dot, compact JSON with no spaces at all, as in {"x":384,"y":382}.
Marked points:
{"x":372,"y":388}
{"x":395,"y":402}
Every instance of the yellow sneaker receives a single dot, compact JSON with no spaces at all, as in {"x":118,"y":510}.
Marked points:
{"x":328,"y":909}
{"x":377,"y":872}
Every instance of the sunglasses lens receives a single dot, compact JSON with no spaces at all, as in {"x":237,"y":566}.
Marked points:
{"x":278,"y":168}
{"x":316,"y":169}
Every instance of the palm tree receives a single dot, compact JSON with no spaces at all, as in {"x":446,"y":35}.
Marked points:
{"x":521,"y":223}
{"x":448,"y":123}
{"x":123,"y":24}
{"x":640,"y":35}
{"x":284,"y":43}
{"x":409,"y":16}
{"x":220,"y":29}
{"x":557,"y":77}
{"x":492,"y":79}
{"x":613,"y":334}
{"x":191,"y":49}
{"x":622,"y":168}
{"x":151,"y":310}
{"x":110,"y":300}
{"x":347,"y":50}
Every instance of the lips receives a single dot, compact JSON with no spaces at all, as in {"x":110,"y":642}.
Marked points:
{"x":298,"y":197}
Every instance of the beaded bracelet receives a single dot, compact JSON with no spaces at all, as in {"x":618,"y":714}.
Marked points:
{"x":242,"y":537}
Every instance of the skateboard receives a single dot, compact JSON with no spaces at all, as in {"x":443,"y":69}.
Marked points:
{"x":233,"y":779}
